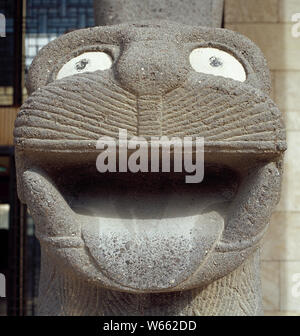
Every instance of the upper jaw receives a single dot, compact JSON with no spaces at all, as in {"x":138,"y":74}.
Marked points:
{"x":232,"y":117}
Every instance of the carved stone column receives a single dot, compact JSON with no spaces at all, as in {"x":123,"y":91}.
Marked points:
{"x":148,"y":243}
{"x":208,"y":13}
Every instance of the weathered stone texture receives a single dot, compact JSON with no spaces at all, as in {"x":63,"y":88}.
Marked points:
{"x":149,"y":243}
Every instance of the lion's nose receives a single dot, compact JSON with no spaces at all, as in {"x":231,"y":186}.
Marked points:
{"x":151,"y":67}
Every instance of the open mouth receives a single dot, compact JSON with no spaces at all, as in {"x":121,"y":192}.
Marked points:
{"x":152,"y":231}
{"x":149,"y":231}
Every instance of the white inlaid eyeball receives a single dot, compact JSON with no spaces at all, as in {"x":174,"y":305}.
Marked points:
{"x":213,"y":61}
{"x":86,"y":62}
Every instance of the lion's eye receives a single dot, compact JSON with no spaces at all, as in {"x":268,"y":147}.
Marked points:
{"x":87,"y":62}
{"x":217,"y":62}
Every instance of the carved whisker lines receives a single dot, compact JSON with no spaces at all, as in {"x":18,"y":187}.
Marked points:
{"x":176,"y":96}
{"x":114,"y":86}
{"x":66,"y":118}
{"x":69,"y":110}
{"x":238,"y":128}
{"x":217,"y":108}
{"x":97,"y":84}
{"x":206,"y":112}
{"x":114,"y":95}
{"x":204,"y":100}
{"x":48,"y":134}
{"x":204,"y":122}
{"x":59,"y":123}
{"x":73,"y":109}
{"x":61,"y":118}
{"x":183,"y":99}
{"x":175,"y":110}
{"x":150,"y":111}
{"x":51,"y":112}
{"x":72,"y":119}
{"x":258,"y":136}
{"x":45,"y":133}
{"x":94,"y":104}
{"x":239,"y":120}
{"x":228,"y":110}
{"x":232,"y":126}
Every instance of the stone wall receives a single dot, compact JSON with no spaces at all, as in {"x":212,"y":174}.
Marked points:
{"x":7,"y":120}
{"x":269,"y":24}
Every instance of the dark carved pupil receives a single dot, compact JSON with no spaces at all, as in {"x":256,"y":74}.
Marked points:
{"x":81,"y":64}
{"x":215,"y":61}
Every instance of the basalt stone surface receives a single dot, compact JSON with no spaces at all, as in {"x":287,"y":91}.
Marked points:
{"x":149,"y":243}
{"x":192,"y":12}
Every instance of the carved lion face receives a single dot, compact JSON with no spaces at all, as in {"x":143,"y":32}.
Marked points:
{"x":149,"y":232}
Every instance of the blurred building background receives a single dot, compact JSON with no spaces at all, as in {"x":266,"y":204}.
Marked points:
{"x":269,"y":24}
{"x":33,"y":23}
{"x":30,"y":25}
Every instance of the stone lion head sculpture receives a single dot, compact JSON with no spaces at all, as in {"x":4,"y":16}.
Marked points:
{"x":149,"y":232}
